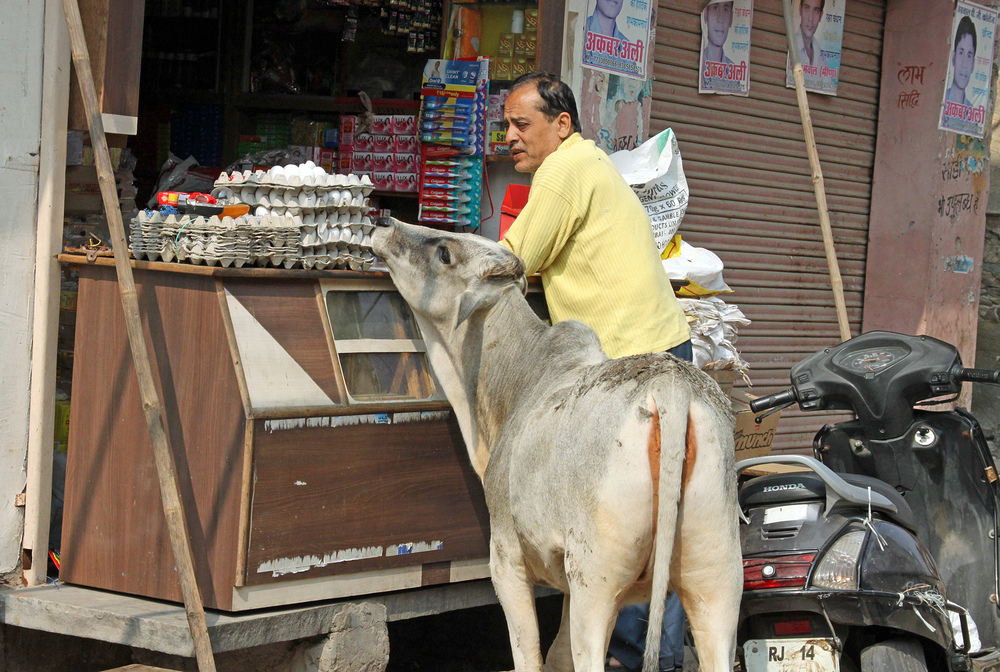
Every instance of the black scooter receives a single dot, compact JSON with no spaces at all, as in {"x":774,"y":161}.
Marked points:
{"x":883,"y":554}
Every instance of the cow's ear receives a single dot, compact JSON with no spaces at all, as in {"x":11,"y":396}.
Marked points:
{"x":470,"y":301}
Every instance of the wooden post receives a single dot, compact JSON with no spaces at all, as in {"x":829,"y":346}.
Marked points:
{"x":817,"y":176}
{"x":176,"y":524}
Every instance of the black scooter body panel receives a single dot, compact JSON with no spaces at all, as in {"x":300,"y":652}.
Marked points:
{"x":955,"y":509}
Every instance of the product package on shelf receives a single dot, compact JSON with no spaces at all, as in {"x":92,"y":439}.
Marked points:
{"x":451,"y":187}
{"x":388,"y":154}
{"x":452,"y":130}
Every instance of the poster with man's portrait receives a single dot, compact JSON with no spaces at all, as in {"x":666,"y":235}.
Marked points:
{"x":616,"y":36}
{"x":967,"y":86}
{"x":819,"y":39}
{"x":725,"y":47}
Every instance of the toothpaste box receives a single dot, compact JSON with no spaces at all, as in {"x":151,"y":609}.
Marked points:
{"x":384,"y":181}
{"x":404,"y":163}
{"x":404,"y":124}
{"x":405,"y":144}
{"x":382,"y":162}
{"x":382,"y":124}
{"x":382,"y":143}
{"x":406,"y":182}
{"x":363,"y":142}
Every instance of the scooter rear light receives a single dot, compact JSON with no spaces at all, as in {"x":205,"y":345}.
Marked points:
{"x":784,"y":571}
{"x":787,"y":628}
{"x":838,"y":570}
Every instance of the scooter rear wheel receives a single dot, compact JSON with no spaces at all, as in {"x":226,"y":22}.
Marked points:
{"x":894,"y":655}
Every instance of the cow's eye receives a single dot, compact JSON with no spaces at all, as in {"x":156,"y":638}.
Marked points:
{"x":444,"y":255}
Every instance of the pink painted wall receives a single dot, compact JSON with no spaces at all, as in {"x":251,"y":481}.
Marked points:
{"x":925,"y":248}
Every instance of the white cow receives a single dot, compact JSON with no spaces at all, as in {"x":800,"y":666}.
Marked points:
{"x":592,"y":467}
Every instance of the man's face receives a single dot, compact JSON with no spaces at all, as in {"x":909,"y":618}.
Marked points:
{"x":963,"y":60}
{"x":609,"y":8}
{"x":718,"y":19}
{"x":530,"y":135}
{"x":812,"y":14}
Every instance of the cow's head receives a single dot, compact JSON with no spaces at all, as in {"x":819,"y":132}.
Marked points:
{"x":445,"y":277}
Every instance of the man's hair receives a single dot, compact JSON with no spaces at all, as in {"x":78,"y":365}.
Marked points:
{"x":556,"y":96}
{"x":822,"y":4}
{"x":965,"y":27}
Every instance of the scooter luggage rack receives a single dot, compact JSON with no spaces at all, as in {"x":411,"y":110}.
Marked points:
{"x":838,"y":491}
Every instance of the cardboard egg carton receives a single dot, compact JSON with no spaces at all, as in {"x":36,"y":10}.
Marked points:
{"x":345,"y":245}
{"x":307,"y":176}
{"x":212,"y":241}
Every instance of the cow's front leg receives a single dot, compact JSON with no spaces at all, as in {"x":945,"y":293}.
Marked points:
{"x":517,"y":597}
{"x":560,"y":655}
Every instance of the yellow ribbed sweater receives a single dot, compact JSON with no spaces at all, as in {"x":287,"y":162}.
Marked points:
{"x":588,"y":235}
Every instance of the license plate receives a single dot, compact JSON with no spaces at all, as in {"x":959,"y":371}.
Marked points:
{"x":791,"y":655}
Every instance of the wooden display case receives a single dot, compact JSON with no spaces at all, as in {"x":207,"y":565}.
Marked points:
{"x":316,"y":457}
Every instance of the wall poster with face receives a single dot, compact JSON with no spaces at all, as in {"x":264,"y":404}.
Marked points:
{"x":616,"y":36}
{"x":725,"y":47}
{"x":967,"y":86}
{"x":819,"y":37}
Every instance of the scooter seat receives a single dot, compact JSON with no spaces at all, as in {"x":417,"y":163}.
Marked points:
{"x":804,"y":486}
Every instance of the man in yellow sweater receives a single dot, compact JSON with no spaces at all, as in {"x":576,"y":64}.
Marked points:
{"x":585,"y":231}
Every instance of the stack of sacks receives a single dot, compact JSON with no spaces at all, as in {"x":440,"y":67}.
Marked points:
{"x":332,"y":210}
{"x":713,"y":332}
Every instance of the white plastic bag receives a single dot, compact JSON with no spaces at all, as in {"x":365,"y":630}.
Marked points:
{"x":654,"y":171}
{"x":701,"y":267}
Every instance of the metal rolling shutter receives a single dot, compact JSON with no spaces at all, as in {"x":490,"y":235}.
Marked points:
{"x":752,"y":199}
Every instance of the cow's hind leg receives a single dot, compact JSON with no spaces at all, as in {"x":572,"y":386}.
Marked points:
{"x":517,"y":597}
{"x":592,"y":617}
{"x":709,"y":566}
{"x":560,"y":655}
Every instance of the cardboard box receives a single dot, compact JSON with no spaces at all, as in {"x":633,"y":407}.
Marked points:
{"x":404,"y":124}
{"x":363,"y":142}
{"x":530,"y":20}
{"x":405,"y":182}
{"x":404,"y":163}
{"x":361,"y":163}
{"x":382,"y":124}
{"x":348,"y":123}
{"x":61,"y":434}
{"x":382,"y":143}
{"x":327,"y":158}
{"x":382,"y":162}
{"x":384,"y":181}
{"x":751,"y":439}
{"x":405,"y":144}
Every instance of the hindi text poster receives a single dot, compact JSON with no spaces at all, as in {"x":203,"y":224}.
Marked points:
{"x":616,"y":36}
{"x":819,"y":37}
{"x":970,"y":62}
{"x":725,"y":47}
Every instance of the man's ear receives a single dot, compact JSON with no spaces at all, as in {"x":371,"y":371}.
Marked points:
{"x":564,"y":125}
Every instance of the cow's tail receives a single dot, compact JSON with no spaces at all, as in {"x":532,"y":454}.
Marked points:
{"x":672,"y":409}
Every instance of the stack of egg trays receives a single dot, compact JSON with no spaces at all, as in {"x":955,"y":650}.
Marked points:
{"x":225,"y":241}
{"x":335,"y":229}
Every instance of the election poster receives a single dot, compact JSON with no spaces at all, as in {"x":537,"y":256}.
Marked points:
{"x":725,"y":47}
{"x":819,"y":38}
{"x":967,"y":87}
{"x":616,"y":36}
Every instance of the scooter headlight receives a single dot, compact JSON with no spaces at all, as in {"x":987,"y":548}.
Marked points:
{"x":838,"y":569}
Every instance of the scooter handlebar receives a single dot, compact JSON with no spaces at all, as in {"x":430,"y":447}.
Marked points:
{"x":978,"y":375}
{"x":772,"y":400}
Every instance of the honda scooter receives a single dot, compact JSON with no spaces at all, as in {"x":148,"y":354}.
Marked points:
{"x":880,"y":552}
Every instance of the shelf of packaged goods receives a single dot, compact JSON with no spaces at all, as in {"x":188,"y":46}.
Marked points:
{"x":266,"y":101}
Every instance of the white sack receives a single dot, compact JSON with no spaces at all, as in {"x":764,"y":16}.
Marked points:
{"x":698,"y":265}
{"x":654,"y":171}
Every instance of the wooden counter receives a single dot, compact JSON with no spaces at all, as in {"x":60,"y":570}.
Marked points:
{"x":299,"y":484}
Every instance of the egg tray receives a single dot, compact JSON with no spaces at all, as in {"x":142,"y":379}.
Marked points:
{"x":274,"y":240}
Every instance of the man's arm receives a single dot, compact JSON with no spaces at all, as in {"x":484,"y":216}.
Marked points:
{"x":542,"y":229}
